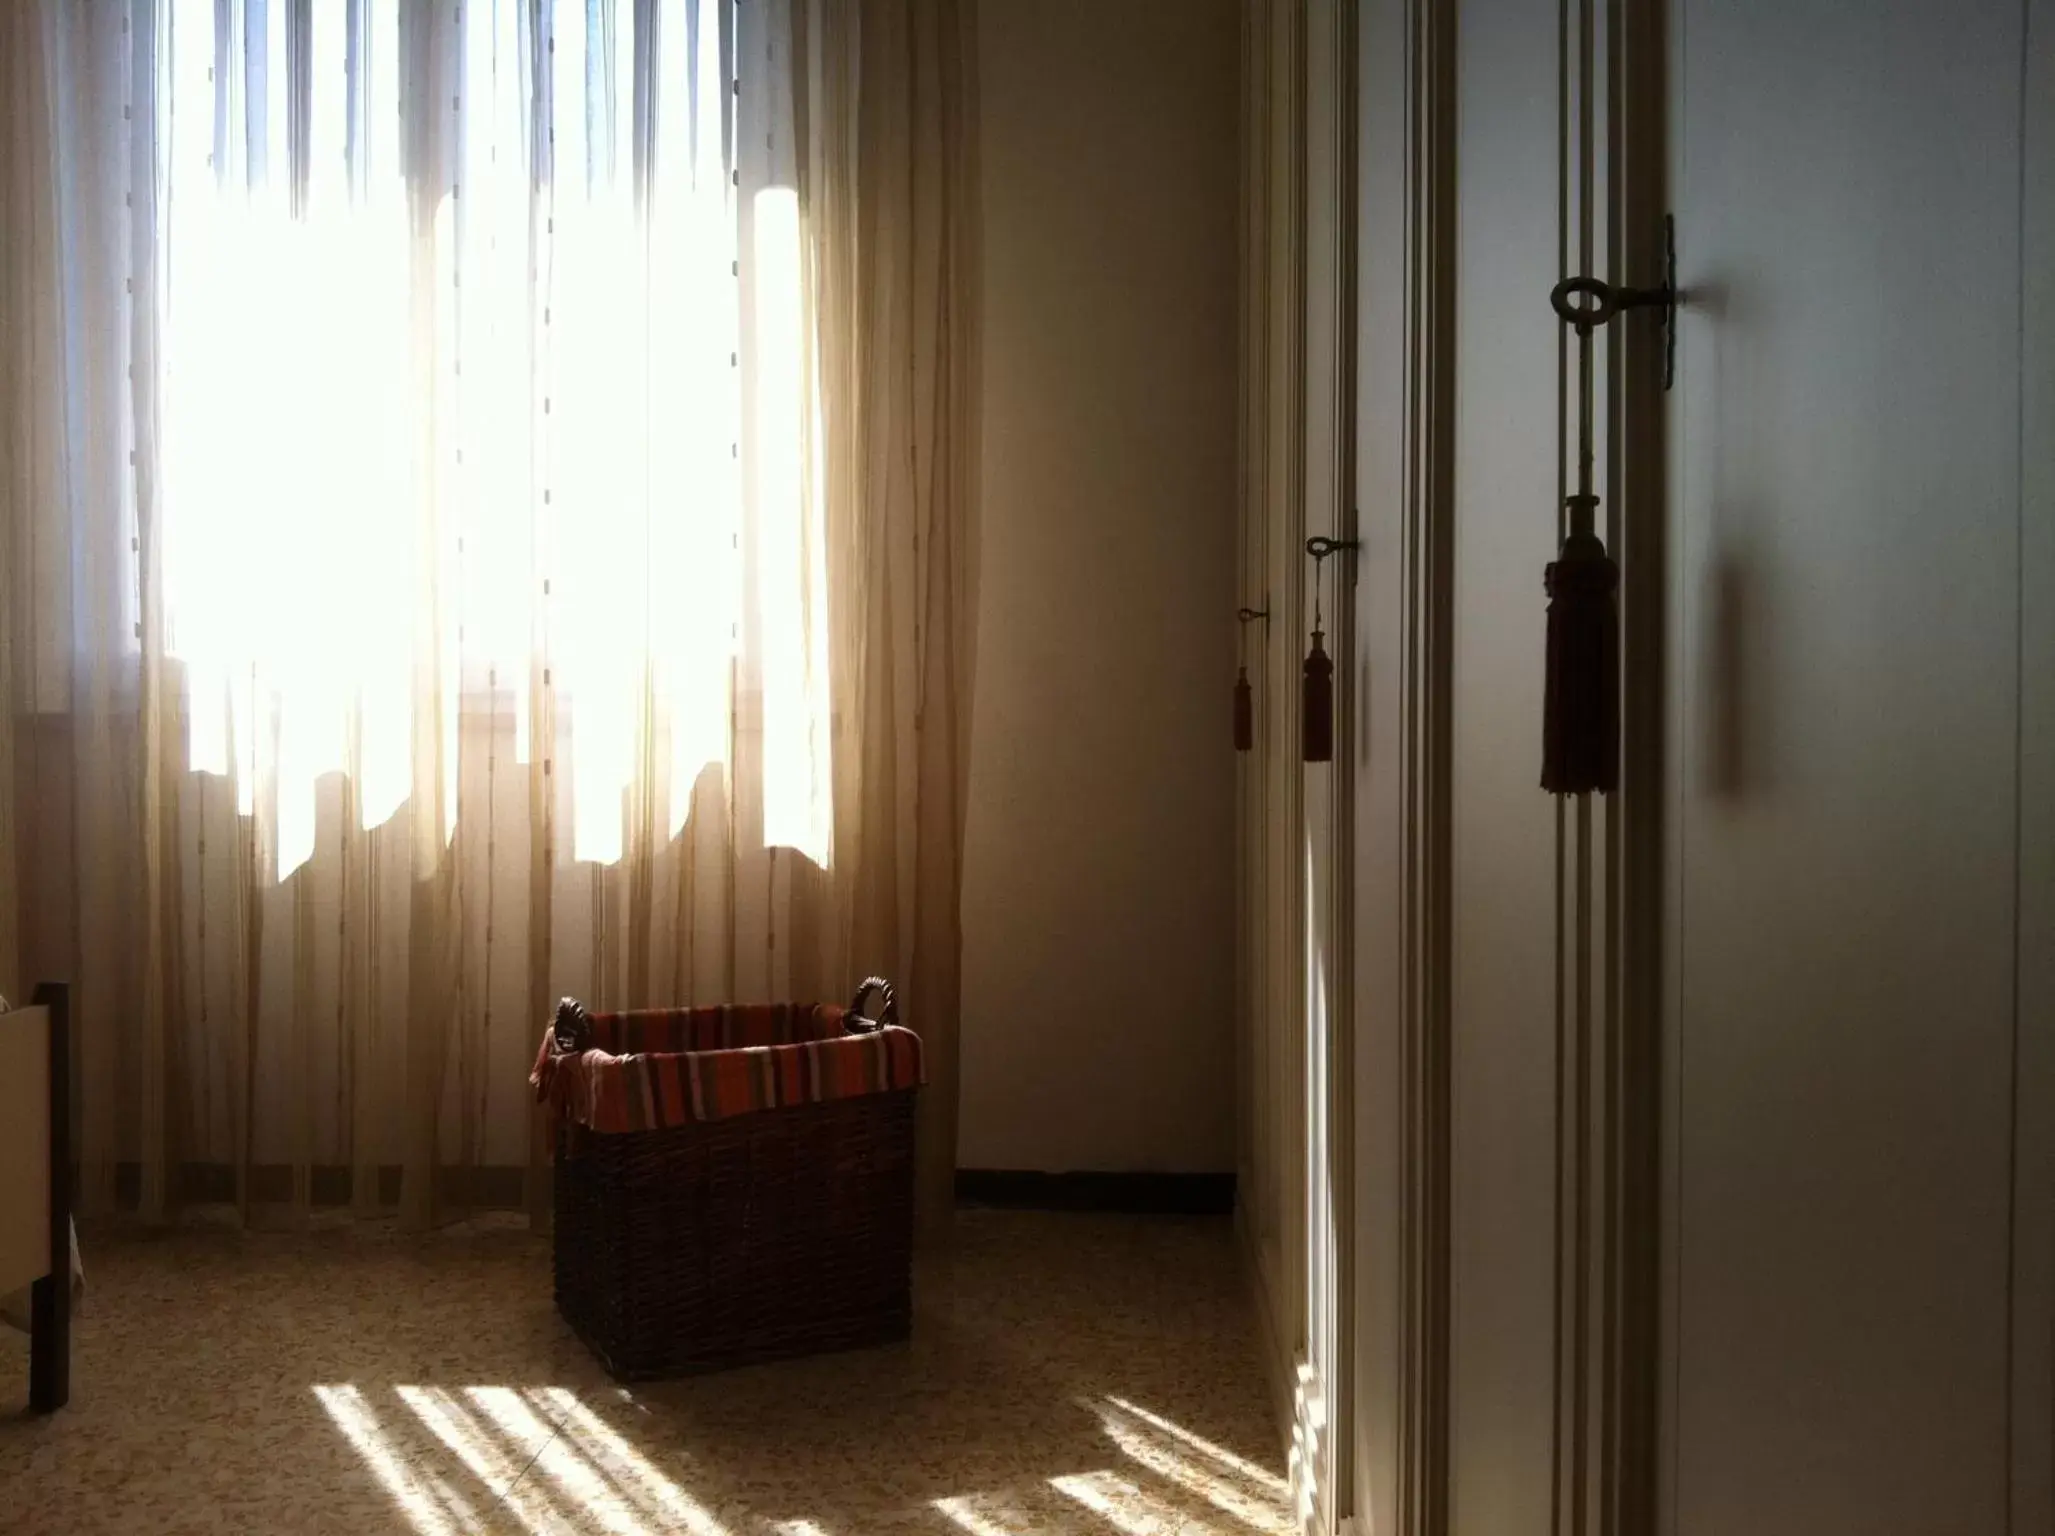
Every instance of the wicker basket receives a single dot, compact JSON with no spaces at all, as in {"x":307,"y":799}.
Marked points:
{"x":783,"y":1232}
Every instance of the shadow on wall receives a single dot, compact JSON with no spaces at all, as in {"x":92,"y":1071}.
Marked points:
{"x":1737,"y":623}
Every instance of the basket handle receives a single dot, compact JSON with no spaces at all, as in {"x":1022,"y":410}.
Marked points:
{"x":855,"y":1020}
{"x":573,"y":1026}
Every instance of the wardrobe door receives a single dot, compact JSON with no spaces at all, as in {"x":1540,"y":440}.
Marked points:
{"x":1846,"y":673}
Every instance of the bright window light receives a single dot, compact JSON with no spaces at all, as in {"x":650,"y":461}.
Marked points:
{"x":444,"y":437}
{"x":794,"y":634}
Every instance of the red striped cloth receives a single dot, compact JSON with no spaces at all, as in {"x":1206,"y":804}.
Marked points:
{"x":715,"y":1029}
{"x":787,"y":1054}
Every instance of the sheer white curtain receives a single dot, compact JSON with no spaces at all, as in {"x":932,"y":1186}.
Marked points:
{"x":438,"y":571}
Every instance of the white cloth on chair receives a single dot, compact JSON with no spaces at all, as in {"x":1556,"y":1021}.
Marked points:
{"x":14,"y":1308}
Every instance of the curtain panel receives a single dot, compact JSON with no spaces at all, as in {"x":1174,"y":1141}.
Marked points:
{"x":487,"y":511}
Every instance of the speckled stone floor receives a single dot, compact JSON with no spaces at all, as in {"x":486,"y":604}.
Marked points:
{"x":1068,"y":1373}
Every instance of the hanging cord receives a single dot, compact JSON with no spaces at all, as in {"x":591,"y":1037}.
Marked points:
{"x":1585,"y":502}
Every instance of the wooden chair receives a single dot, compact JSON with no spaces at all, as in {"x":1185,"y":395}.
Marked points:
{"x":35,"y":1183}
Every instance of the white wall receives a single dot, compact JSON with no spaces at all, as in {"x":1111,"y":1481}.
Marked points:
{"x":1098,"y":903}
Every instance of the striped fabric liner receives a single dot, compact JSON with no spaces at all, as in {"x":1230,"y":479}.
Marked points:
{"x":652,"y":1090}
{"x":715,"y":1029}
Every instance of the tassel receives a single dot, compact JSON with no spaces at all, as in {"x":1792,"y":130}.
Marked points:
{"x":1317,"y":716}
{"x":1244,"y":697}
{"x":1580,"y":748}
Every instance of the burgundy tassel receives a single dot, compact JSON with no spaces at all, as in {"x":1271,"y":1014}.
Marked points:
{"x":1317,"y":716}
{"x":1580,"y":729}
{"x":1244,"y":714}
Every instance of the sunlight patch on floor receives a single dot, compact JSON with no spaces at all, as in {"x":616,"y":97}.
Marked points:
{"x":590,"y":1493}
{"x":1309,"y":1437}
{"x":629,"y":1469}
{"x":553,"y":1463}
{"x":543,"y":1457}
{"x":1261,"y":1476}
{"x":464,"y":1438}
{"x":1127,"y":1508}
{"x":472,"y":1443}
{"x":1262,"y":1510}
{"x":968,"y":1511}
{"x":429,"y":1508}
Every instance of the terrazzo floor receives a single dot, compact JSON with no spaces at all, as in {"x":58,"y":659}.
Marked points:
{"x":1068,"y":1373}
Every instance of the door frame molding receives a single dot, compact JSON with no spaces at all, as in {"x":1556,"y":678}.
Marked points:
{"x":1270,"y":1204}
{"x":1428,"y":526}
{"x":1299,"y":105}
{"x":1401,"y":254}
{"x":1609,"y":898}
{"x":1341,"y":1013}
{"x":2032,"y":1452}
{"x":1637,"y":838}
{"x":1611,"y":1146}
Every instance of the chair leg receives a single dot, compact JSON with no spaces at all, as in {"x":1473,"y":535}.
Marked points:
{"x":50,"y":1297}
{"x":50,"y":1340}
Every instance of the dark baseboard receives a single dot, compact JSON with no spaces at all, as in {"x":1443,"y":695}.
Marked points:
{"x":1169,"y":1194}
{"x":484,"y":1188}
